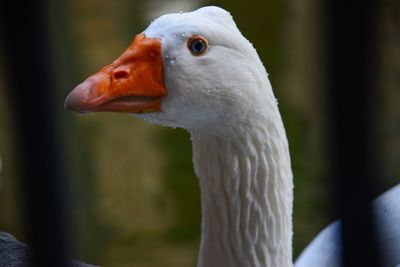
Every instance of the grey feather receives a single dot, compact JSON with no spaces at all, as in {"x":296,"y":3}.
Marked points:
{"x":14,"y":253}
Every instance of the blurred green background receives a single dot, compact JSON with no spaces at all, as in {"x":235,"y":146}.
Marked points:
{"x":134,"y":199}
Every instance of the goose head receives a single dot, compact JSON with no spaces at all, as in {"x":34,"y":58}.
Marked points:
{"x":191,"y":70}
{"x":196,"y":71}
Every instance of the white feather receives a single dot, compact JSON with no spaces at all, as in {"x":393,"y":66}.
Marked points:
{"x":241,"y":155}
{"x":325,"y":249}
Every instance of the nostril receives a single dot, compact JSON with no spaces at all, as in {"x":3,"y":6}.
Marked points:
{"x":121,"y":74}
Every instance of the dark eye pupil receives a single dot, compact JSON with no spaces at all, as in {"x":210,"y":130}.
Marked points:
{"x":198,"y":46}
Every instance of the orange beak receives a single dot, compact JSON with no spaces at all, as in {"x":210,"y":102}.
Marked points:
{"x":133,"y":83}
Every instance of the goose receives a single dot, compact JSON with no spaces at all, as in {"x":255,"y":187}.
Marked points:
{"x":196,"y":71}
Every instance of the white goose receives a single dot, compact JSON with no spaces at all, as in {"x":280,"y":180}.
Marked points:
{"x":196,"y":71}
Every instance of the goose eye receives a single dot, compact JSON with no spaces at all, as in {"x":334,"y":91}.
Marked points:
{"x":198,"y":45}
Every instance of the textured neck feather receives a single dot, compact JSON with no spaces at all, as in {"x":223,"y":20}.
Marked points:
{"x":247,"y":193}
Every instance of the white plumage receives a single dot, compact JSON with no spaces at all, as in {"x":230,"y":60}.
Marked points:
{"x":240,"y":152}
{"x":325,"y":249}
{"x":223,"y":97}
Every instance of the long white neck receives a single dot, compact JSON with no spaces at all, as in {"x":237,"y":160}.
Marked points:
{"x":247,"y":194}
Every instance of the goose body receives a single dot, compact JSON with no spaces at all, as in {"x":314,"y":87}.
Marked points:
{"x":325,"y":249}
{"x":196,"y":71}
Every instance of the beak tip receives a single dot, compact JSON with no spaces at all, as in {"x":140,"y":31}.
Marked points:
{"x":67,"y":103}
{"x":76,"y":100}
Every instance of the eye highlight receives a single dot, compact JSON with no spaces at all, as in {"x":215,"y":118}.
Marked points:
{"x":197,"y":45}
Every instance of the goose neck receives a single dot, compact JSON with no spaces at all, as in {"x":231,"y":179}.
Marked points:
{"x":247,"y":193}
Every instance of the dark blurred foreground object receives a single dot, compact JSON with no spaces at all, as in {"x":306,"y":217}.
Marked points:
{"x":16,"y":254}
{"x":352,"y":125}
{"x":31,"y":93}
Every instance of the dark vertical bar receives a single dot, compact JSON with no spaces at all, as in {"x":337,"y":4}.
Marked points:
{"x":351,"y":84}
{"x":25,"y":37}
